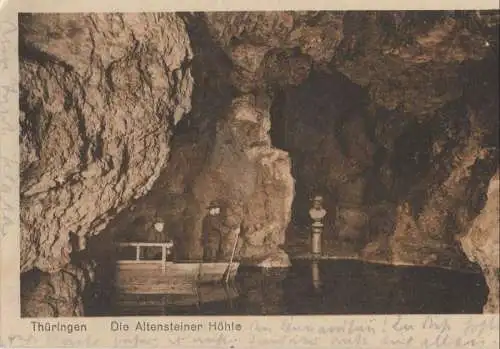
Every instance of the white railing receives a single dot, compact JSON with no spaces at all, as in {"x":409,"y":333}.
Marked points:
{"x":165,"y":250}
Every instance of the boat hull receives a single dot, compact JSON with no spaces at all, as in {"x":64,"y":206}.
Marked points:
{"x":215,"y":272}
{"x":155,"y":277}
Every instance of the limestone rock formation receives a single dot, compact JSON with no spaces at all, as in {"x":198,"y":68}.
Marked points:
{"x":59,"y":294}
{"x":99,"y":96}
{"x":481,"y":244}
{"x":279,"y":48}
{"x":238,"y":169}
{"x":410,"y":60}
{"x":128,"y":120}
{"x":426,"y":228}
{"x":249,"y":178}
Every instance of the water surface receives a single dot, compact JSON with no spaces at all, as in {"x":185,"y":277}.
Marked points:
{"x":329,"y":287}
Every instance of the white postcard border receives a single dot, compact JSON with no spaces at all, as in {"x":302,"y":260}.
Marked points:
{"x":384,"y":332}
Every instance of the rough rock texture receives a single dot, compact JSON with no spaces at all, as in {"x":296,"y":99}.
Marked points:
{"x":481,"y":244}
{"x":249,"y":178}
{"x":99,"y":94}
{"x":433,"y":215}
{"x":324,"y":132}
{"x":242,"y":172}
{"x":411,"y":67}
{"x":275,"y":48}
{"x":407,"y":60}
{"x":222,"y":152}
{"x":390,"y":115}
{"x":410,"y":60}
{"x":60,"y":294}
{"x":401,"y":198}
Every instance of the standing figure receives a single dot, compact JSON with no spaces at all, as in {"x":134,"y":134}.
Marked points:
{"x":212,"y":233}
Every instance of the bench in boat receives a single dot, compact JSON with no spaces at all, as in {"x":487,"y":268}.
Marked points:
{"x":139,"y":276}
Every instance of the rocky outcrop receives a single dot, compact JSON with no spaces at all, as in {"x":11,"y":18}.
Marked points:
{"x":60,"y":294}
{"x":428,"y":223}
{"x":275,"y":48}
{"x":249,"y":178}
{"x":239,"y":170}
{"x":99,"y":96}
{"x":481,"y":244}
{"x":222,"y":152}
{"x":398,"y":186}
{"x":393,"y":54}
{"x":409,"y":61}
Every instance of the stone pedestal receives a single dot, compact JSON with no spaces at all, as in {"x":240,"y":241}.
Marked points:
{"x":317,"y":230}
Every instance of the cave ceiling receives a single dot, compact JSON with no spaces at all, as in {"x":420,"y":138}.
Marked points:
{"x":408,"y":61}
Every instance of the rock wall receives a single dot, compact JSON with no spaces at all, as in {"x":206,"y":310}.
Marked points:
{"x":401,"y":198}
{"x":262,"y":54}
{"x":274,"y":48}
{"x":242,"y":172}
{"x":325,"y":132}
{"x":60,"y":294}
{"x":221,"y":152}
{"x":249,"y":178}
{"x":437,"y":213}
{"x":402,"y":167}
{"x":481,"y":244}
{"x":99,"y":95}
{"x":409,"y":61}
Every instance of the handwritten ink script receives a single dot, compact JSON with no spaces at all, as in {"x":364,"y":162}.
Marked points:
{"x":8,"y":120}
{"x":392,"y":332}
{"x":8,"y":33}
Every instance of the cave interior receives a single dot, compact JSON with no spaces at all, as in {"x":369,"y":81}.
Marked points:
{"x":392,"y":119}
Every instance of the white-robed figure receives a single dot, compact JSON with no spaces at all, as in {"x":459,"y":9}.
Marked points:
{"x":317,"y":213}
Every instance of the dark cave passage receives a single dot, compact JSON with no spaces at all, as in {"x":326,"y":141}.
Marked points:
{"x":323,"y":124}
{"x":366,"y":164}
{"x":279,"y":121}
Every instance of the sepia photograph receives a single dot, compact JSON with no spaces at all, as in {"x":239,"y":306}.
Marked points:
{"x":258,"y":163}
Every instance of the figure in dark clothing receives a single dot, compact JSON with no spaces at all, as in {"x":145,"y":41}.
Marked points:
{"x":212,"y":234}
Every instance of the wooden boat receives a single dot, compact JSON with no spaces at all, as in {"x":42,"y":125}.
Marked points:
{"x":139,"y":276}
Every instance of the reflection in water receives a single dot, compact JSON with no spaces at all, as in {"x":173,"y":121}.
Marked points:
{"x":316,"y":279}
{"x":329,"y":287}
{"x":261,"y":291}
{"x":209,"y":299}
